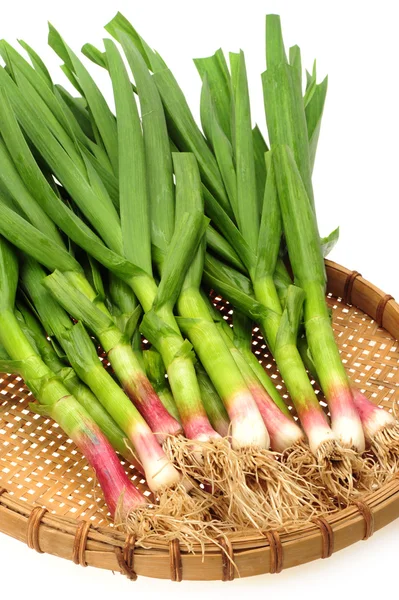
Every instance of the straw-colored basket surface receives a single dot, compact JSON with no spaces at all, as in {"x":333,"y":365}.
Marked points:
{"x":49,"y":499}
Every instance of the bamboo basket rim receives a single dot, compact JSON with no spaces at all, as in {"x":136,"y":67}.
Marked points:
{"x":104,"y":547}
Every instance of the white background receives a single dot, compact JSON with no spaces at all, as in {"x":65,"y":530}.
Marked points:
{"x":356,"y":187}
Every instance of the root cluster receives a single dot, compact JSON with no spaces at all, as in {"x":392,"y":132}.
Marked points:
{"x":224,"y":492}
{"x":178,"y":514}
{"x":384,"y":447}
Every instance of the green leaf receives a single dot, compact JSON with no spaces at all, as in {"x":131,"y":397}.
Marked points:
{"x":221,"y":247}
{"x":72,"y":79}
{"x":189,"y":200}
{"x":3,"y":353}
{"x":82,"y":135}
{"x":76,"y":303}
{"x":42,"y":95}
{"x":188,"y":136}
{"x":50,"y":202}
{"x":132,"y":323}
{"x":186,"y":238}
{"x":211,"y":400}
{"x":156,"y":372}
{"x":314,"y":113}
{"x":310,"y":87}
{"x":37,"y":62}
{"x":36,"y":336}
{"x":186,"y":351}
{"x":8,"y":275}
{"x":270,"y":227}
{"x":206,"y":110}
{"x":282,"y":91}
{"x":188,"y":185}
{"x":285,"y":115}
{"x":275,"y":52}
{"x":290,"y":320}
{"x":133,"y":195}
{"x":228,"y":274}
{"x":28,"y":239}
{"x":248,"y":209}
{"x":228,"y":229}
{"x":101,"y":214}
{"x":156,"y":330}
{"x":52,"y":316}
{"x":221,"y":146}
{"x":78,"y":106}
{"x":260,"y":148}
{"x":328,"y":243}
{"x":296,"y":61}
{"x":282,"y":281}
{"x":245,"y":303}
{"x":185,"y":323}
{"x":79,"y":346}
{"x":93,"y":275}
{"x":214,"y":68}
{"x":108,"y":179}
{"x":49,"y":120}
{"x":95,"y":55}
{"x":154,"y":367}
{"x":22,"y":197}
{"x":121,"y":295}
{"x":307,"y":357}
{"x":157,"y":148}
{"x":120,"y":24}
{"x":40,"y":409}
{"x":300,"y":226}
{"x":103,"y":117}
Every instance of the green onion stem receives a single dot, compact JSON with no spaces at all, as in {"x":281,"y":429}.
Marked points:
{"x":285,"y":352}
{"x":156,"y":373}
{"x":307,"y":263}
{"x":161,"y":329}
{"x":81,"y":354}
{"x":284,"y":432}
{"x":55,"y":398}
{"x":36,"y":336}
{"x":247,"y":426}
{"x":213,"y":405}
{"x":120,"y":353}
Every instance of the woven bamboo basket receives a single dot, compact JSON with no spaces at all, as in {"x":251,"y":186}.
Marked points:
{"x":49,"y":500}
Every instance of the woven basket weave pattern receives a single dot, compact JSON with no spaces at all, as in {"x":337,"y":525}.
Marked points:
{"x":41,"y":467}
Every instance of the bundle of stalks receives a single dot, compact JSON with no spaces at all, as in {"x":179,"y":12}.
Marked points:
{"x":246,"y":214}
{"x":70,"y":287}
{"x":51,"y":356}
{"x":190,"y":521}
{"x":249,"y":219}
{"x":111,"y":217}
{"x":380,"y":429}
{"x":248,"y":430}
{"x":235,"y":388}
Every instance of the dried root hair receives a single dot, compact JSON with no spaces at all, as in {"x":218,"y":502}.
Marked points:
{"x":219,"y":469}
{"x":252,"y":487}
{"x":337,"y":470}
{"x":178,"y":514}
{"x":345,"y":473}
{"x":301,"y":460}
{"x":384,"y":445}
{"x":289,"y":498}
{"x":333,"y":471}
{"x":338,"y":474}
